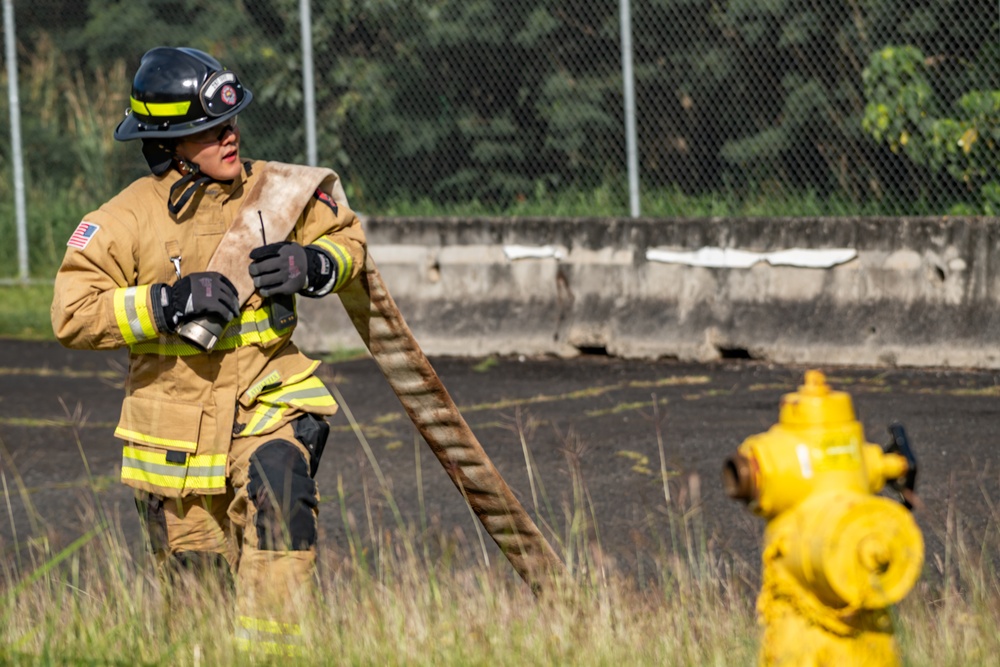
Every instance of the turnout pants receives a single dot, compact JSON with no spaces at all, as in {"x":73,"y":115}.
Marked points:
{"x":263,"y":530}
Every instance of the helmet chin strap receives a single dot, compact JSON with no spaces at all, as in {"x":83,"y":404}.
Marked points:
{"x":189,"y":183}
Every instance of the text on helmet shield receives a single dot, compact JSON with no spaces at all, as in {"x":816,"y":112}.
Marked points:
{"x":214,"y":85}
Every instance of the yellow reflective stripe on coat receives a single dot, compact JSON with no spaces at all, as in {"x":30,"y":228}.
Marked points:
{"x":159,"y":108}
{"x":273,"y":405}
{"x":283,"y":649}
{"x":299,"y":377}
{"x":342,"y":258}
{"x":269,"y":626}
{"x":273,"y":380}
{"x":146,"y":439}
{"x":204,"y":472}
{"x":134,"y":314}
{"x":262,"y":635}
{"x":253,"y":328}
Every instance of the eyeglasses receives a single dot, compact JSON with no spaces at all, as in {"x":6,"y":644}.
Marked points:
{"x":213,"y":135}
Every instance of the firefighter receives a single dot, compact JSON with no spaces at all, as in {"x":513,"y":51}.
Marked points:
{"x":221,"y":439}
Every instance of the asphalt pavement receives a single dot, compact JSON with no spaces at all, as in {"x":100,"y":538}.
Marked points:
{"x":596,"y":433}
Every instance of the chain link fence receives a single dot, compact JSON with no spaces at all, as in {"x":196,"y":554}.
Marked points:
{"x":742,"y":107}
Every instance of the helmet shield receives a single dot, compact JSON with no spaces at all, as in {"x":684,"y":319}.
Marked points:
{"x":221,"y":93}
{"x":180,"y":91}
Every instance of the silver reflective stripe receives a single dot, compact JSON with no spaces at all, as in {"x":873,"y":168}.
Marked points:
{"x":206,"y":471}
{"x":264,"y":419}
{"x":132,"y":315}
{"x":288,"y":397}
{"x":170,"y":470}
{"x":174,"y":469}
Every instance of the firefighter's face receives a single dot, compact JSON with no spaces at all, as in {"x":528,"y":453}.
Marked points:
{"x":216,"y":151}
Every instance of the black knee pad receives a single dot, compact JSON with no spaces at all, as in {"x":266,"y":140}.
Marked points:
{"x":284,"y":494}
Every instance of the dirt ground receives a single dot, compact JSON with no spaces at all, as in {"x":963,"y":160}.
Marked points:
{"x":589,"y":425}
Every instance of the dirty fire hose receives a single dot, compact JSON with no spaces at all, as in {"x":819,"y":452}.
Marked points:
{"x":434,"y":413}
{"x":269,"y":211}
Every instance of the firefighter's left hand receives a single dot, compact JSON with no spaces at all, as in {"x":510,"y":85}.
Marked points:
{"x":279,"y":268}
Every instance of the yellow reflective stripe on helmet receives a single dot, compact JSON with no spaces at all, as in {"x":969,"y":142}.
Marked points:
{"x":253,"y":328}
{"x":133,"y":314}
{"x":342,"y":258}
{"x":204,"y":472}
{"x":159,"y":108}
{"x":147,"y":439}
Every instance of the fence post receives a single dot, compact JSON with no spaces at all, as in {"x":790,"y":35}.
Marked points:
{"x":629,"y":93}
{"x":308,"y":87}
{"x":17,"y":155}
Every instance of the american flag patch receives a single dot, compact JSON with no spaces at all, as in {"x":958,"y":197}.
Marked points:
{"x":81,"y":237}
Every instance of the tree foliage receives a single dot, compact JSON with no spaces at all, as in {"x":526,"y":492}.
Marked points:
{"x":491,"y":101}
{"x":906,"y":112}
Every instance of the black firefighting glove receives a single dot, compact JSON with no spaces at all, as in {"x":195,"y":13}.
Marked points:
{"x":289,"y":268}
{"x":208,"y":294}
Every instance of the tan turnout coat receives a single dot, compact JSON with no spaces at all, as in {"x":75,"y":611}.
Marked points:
{"x":182,"y":406}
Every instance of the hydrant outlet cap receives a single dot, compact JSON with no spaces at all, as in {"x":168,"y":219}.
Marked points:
{"x":873,"y":554}
{"x":738,"y":478}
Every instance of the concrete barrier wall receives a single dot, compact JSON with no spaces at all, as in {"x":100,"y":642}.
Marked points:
{"x":915,"y":292}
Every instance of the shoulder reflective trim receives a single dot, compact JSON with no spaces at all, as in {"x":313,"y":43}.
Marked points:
{"x":133,"y":314}
{"x":342,"y":258}
{"x":159,"y":108}
{"x":253,"y":328}
{"x":146,"y":439}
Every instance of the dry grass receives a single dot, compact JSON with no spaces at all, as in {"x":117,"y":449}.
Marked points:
{"x":405,"y":594}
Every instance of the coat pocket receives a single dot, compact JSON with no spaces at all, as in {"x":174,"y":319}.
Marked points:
{"x":161,"y":423}
{"x":159,"y":455}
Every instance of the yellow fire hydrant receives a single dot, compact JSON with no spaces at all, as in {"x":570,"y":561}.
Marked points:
{"x":836,"y":556}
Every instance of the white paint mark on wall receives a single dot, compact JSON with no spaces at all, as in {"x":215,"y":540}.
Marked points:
{"x":514,"y":252}
{"x":731,"y":258}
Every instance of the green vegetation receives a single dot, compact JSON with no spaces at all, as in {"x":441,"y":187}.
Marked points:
{"x":515,"y":108}
{"x":468,"y":108}
{"x":906,"y":111}
{"x":24,"y":311}
{"x":402,"y":594}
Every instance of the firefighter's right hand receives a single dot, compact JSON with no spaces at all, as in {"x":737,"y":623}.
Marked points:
{"x":208,"y":294}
